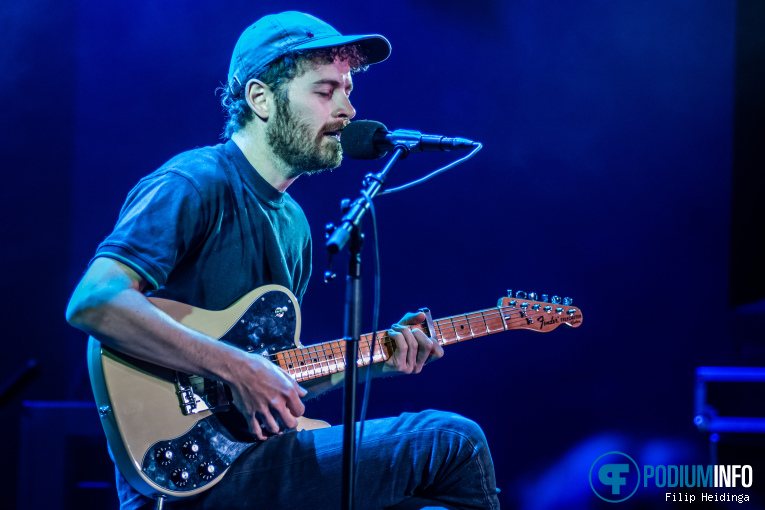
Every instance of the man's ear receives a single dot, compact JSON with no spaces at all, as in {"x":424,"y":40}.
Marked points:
{"x":259,"y":98}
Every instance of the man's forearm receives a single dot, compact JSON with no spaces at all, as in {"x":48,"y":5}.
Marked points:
{"x":118,"y":315}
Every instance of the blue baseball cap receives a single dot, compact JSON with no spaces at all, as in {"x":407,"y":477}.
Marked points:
{"x":276,"y":35}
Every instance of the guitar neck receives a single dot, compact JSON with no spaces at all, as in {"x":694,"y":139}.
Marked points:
{"x":328,"y":358}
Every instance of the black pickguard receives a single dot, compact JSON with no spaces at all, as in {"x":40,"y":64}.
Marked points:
{"x":262,"y":329}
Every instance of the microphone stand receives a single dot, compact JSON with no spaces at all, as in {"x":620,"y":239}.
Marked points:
{"x":350,"y":230}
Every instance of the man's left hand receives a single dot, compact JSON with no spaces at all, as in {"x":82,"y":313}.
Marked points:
{"x":412,"y":347}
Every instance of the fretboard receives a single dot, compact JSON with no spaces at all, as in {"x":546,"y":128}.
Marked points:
{"x":328,"y":358}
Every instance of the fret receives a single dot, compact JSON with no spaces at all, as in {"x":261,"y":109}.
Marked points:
{"x":383,"y":346}
{"x":302,"y":360}
{"x":362,"y":356}
{"x":462,"y":327}
{"x":445,"y":330}
{"x":313,"y":361}
{"x":436,"y":334}
{"x":448,"y":332}
{"x":294,"y":360}
{"x":339,"y":350}
{"x":337,"y":354}
{"x":477,"y":324}
{"x":386,"y":345}
{"x":325,"y":357}
{"x":494,"y":322}
{"x":336,"y":363}
{"x":305,"y":361}
{"x":504,"y":315}
{"x":365,"y":347}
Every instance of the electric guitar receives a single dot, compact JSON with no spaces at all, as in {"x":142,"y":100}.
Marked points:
{"x":170,"y":432}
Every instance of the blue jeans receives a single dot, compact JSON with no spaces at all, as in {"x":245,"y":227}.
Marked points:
{"x":434,"y":457}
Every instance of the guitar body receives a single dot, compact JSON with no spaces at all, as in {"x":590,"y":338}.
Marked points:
{"x":167,"y":440}
{"x":176,"y":434}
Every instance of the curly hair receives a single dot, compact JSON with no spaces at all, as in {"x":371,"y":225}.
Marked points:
{"x":278,"y":75}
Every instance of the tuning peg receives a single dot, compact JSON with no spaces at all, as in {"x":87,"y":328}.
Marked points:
{"x":545,"y":298}
{"x":555,"y":300}
{"x":509,"y":293}
{"x":567,"y":301}
{"x":520,"y":294}
{"x":533,"y":296}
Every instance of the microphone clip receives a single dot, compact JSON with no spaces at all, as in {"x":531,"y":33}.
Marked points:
{"x":406,"y":139}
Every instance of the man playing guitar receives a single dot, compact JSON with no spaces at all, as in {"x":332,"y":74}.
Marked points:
{"x":212,"y":224}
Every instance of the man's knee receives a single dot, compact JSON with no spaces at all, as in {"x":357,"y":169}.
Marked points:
{"x":451,"y":423}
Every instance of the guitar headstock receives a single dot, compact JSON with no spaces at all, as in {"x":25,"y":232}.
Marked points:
{"x":538,"y":313}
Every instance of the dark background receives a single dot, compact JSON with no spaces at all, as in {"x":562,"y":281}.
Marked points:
{"x":622,"y":167}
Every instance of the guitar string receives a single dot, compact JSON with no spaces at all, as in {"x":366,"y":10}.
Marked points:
{"x":482,"y":317}
{"x":462,"y":320}
{"x":306,"y":368}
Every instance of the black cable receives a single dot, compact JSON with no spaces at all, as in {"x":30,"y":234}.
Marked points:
{"x":375,"y":320}
{"x":376,"y":307}
{"x":432,"y":174}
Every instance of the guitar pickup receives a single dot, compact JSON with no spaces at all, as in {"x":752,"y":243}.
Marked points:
{"x":197,"y":394}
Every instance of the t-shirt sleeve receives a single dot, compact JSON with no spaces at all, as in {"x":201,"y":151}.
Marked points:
{"x":162,"y":219}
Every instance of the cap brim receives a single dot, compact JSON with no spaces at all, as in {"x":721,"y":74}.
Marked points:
{"x":376,"y":47}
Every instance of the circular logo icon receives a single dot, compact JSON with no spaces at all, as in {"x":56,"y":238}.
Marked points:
{"x":614,"y":477}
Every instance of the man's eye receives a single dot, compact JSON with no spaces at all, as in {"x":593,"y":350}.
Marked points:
{"x":324,"y":94}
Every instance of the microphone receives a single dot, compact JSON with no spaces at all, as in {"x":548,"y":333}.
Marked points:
{"x":369,"y":139}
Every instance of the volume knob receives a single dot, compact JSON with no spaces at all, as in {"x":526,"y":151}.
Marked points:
{"x":164,"y":456}
{"x":190,"y":450}
{"x":180,"y":477}
{"x":206,"y":471}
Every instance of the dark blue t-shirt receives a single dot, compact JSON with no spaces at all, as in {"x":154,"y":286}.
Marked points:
{"x":205,"y":229}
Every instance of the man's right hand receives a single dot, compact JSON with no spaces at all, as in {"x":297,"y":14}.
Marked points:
{"x":266,"y":395}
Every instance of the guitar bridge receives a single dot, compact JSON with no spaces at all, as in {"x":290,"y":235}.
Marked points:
{"x":197,"y":394}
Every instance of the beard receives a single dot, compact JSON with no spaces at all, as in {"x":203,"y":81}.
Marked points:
{"x":292,"y":140}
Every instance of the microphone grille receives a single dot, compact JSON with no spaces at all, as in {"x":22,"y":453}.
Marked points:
{"x":357,"y":139}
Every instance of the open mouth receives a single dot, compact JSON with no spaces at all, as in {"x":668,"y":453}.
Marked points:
{"x":335,"y":135}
